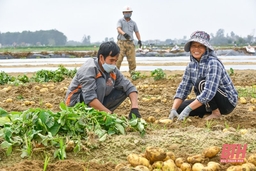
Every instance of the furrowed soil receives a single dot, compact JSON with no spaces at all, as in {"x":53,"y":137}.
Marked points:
{"x":155,"y":99}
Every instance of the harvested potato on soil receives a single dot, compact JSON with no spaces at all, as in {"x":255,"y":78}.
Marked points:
{"x":141,"y":168}
{"x":198,"y":167}
{"x":211,"y":151}
{"x":169,"y":165}
{"x":214,"y":166}
{"x":234,"y":168}
{"x":154,"y":154}
{"x":252,"y":108}
{"x":151,"y":119}
{"x":252,"y":159}
{"x":248,"y":166}
{"x":9,"y":100}
{"x":242,"y":100}
{"x":44,"y":90}
{"x":196,"y":158}
{"x":165,"y":121}
{"x":48,"y":105}
{"x":157,"y":165}
{"x":186,"y":167}
{"x":179,"y":161}
{"x":136,"y":160}
{"x":170,"y":155}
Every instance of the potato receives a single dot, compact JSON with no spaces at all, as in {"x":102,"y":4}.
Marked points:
{"x":151,"y":119}
{"x":170,"y":155}
{"x":9,"y":100}
{"x":243,"y":131}
{"x":211,"y":151}
{"x":214,"y":166}
{"x":155,"y":154}
{"x":179,"y":161}
{"x":37,"y":87}
{"x":136,"y":160}
{"x":252,"y":159}
{"x":198,"y":167}
{"x":169,"y":165}
{"x":48,"y":105}
{"x":234,"y":168}
{"x":253,"y":100}
{"x":186,"y":167}
{"x":44,"y":90}
{"x":248,"y":167}
{"x":157,"y":165}
{"x":196,"y":159}
{"x":165,"y":121}
{"x":141,"y":168}
{"x":252,"y":108}
{"x":242,"y":100}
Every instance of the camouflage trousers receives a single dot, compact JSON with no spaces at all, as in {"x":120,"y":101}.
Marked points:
{"x":127,"y":48}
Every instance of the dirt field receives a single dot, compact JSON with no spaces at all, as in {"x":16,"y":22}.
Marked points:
{"x":183,"y":138}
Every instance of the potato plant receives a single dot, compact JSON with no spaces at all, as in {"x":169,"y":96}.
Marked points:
{"x":47,"y":128}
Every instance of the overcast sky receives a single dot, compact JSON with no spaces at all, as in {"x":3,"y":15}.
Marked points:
{"x":156,"y":19}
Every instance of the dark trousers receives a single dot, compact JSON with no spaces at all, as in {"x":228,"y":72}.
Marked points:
{"x":112,"y":100}
{"x":219,"y":101}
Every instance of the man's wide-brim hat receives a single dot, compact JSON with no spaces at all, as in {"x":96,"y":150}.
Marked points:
{"x":200,"y":37}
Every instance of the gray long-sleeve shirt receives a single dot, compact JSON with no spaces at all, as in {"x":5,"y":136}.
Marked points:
{"x":85,"y":81}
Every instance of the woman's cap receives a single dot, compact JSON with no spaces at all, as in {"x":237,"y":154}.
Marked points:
{"x":200,"y":37}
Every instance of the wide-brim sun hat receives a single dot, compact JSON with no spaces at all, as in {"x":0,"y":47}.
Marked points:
{"x":200,"y":37}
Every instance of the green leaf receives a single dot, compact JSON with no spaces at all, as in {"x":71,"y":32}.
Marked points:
{"x":54,"y":129}
{"x":120,"y":128}
{"x":140,"y":126}
{"x":3,"y":113}
{"x":133,"y":122}
{"x":8,"y":146}
{"x":103,"y":138}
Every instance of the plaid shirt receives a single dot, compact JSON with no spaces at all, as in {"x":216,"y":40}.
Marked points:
{"x":216,"y":76}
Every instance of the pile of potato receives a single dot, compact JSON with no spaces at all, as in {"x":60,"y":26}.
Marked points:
{"x":156,"y":159}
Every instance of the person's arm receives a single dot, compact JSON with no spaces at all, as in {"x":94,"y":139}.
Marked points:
{"x":120,"y":31}
{"x":134,"y":99}
{"x":195,"y":104}
{"x":138,"y":35}
{"x":176,"y":103}
{"x":96,"y":104}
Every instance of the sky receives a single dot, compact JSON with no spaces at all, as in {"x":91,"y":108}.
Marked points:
{"x":156,"y":19}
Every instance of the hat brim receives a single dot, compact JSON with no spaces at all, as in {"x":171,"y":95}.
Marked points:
{"x":187,"y":45}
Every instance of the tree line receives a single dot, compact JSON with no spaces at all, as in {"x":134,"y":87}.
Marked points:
{"x":39,"y":38}
{"x":56,"y":38}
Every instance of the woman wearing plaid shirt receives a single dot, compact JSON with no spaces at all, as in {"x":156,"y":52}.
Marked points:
{"x":215,"y":92}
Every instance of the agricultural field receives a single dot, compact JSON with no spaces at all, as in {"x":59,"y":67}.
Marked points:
{"x":101,"y":150}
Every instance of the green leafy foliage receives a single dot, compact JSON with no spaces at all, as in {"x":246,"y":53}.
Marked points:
{"x":48,"y":128}
{"x":135,"y":75}
{"x":5,"y":78}
{"x":231,"y":71}
{"x":158,"y":74}
{"x":40,"y":76}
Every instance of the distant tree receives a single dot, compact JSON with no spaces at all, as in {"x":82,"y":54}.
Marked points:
{"x":86,"y":40}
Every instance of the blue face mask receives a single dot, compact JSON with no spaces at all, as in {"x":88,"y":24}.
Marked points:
{"x":108,"y":68}
{"x":127,"y":15}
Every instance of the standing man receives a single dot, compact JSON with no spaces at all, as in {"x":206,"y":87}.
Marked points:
{"x":125,"y":28}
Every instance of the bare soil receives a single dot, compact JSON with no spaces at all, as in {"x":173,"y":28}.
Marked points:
{"x":155,"y":99}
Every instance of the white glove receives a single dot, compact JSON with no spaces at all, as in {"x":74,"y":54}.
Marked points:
{"x":173,"y":114}
{"x":184,"y":113}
